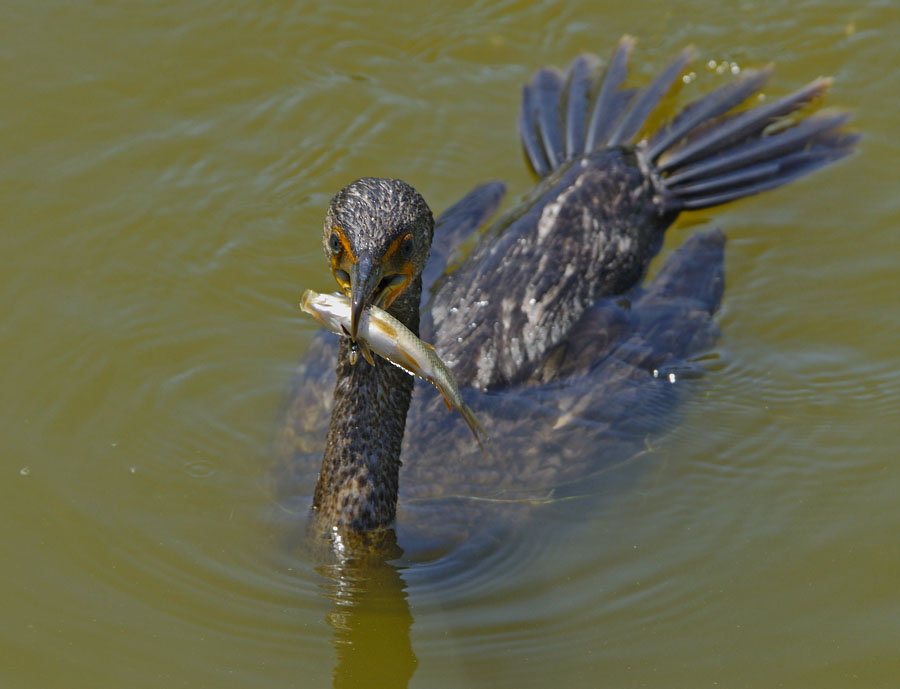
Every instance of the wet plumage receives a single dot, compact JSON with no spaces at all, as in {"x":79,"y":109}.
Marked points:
{"x":562,"y":353}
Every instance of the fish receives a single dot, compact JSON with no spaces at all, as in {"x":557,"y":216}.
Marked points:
{"x":381,"y":333}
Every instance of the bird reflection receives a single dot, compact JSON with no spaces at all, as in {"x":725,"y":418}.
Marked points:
{"x":371,"y":620}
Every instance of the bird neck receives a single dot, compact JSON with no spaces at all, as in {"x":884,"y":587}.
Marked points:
{"x":357,"y":487}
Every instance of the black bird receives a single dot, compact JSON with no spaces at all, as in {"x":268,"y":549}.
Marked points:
{"x":544,"y":323}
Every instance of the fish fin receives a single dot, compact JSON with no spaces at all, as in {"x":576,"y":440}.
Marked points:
{"x":446,"y":399}
{"x":407,"y":363}
{"x":366,"y":352}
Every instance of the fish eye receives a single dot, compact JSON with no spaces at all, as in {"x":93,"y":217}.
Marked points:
{"x":406,"y":247}
{"x":334,"y":243}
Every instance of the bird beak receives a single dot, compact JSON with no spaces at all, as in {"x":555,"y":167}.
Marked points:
{"x":364,"y":278}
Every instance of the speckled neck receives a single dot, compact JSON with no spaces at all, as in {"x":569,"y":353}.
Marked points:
{"x":357,"y":487}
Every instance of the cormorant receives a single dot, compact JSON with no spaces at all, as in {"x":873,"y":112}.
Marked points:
{"x":544,"y":323}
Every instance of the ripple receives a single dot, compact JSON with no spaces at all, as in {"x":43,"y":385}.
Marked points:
{"x":159,"y":217}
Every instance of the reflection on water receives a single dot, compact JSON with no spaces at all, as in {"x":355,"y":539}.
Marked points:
{"x":371,"y":622}
{"x":368,"y":613}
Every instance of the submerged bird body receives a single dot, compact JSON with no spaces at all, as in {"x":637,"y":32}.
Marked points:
{"x":557,"y":347}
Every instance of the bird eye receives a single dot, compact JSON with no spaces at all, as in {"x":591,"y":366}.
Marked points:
{"x":334,"y":242}
{"x":406,"y":247}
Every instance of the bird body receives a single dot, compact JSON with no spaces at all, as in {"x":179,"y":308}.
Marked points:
{"x":545,"y":324}
{"x":588,"y":231}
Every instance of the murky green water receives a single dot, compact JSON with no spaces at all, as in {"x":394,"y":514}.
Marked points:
{"x":165,"y":171}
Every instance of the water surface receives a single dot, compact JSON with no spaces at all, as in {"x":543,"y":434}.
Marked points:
{"x":166,"y":167}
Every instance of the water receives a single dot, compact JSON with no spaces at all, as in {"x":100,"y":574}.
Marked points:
{"x":165,"y":173}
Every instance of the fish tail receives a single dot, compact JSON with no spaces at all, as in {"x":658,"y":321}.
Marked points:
{"x":474,"y":425}
{"x":447,"y":400}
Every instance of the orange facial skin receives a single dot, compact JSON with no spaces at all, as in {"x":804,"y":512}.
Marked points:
{"x":392,"y":265}
{"x":342,"y":261}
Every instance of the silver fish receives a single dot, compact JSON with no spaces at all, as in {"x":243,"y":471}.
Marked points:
{"x":383,"y":334}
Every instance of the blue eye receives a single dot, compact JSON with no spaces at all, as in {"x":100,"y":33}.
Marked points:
{"x":334,"y":242}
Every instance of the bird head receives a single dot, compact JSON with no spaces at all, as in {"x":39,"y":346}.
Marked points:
{"x":377,"y":237}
